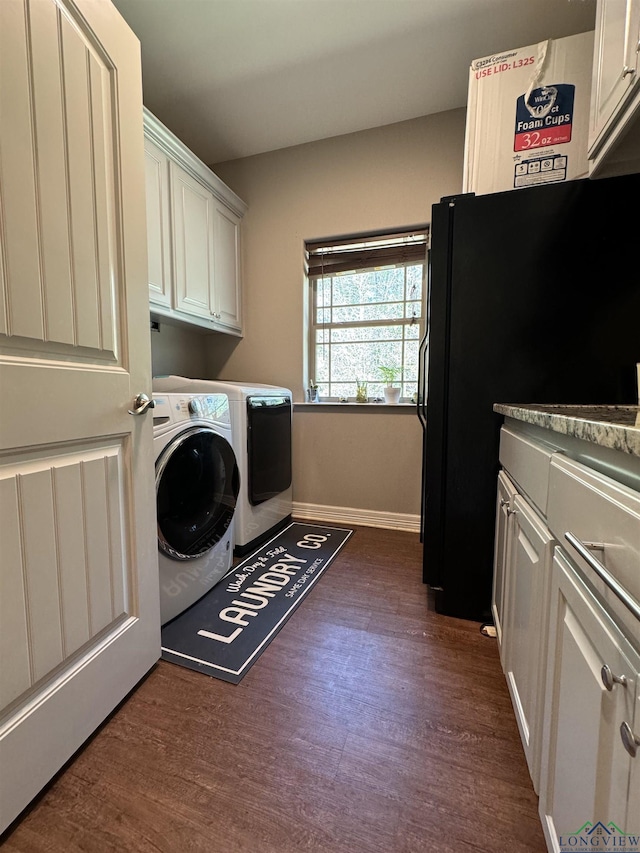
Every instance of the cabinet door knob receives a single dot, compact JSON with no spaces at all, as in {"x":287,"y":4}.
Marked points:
{"x":504,"y":502}
{"x":628,"y":69}
{"x":630,"y":740}
{"x":609,"y":679}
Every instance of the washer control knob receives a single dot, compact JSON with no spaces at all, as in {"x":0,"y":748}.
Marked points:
{"x":195,"y":407}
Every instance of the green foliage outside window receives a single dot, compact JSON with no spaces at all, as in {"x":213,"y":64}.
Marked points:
{"x":363,"y":321}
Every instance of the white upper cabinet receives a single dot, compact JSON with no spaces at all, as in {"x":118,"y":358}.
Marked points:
{"x":226,"y":256}
{"x":615,"y":90}
{"x":193,"y":222}
{"x":158,"y":224}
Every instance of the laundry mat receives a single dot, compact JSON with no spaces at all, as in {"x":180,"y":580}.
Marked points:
{"x":225,"y":632}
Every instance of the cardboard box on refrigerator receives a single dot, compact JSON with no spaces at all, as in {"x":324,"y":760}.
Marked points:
{"x":528,"y":116}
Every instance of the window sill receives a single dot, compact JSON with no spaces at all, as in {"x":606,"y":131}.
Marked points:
{"x":324,"y":406}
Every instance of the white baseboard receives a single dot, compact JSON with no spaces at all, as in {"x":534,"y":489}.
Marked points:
{"x":363,"y":517}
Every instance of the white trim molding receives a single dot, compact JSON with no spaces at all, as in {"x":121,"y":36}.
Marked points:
{"x":362,"y":517}
{"x":178,"y":151}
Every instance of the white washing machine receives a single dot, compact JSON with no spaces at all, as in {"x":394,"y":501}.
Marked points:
{"x":261,"y":420}
{"x":197,"y":483}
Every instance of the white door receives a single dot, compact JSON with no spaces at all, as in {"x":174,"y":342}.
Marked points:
{"x":79,"y":610}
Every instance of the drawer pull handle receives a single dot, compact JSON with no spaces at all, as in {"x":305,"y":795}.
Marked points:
{"x":625,"y":597}
{"x":630,"y":740}
{"x":609,"y":679}
{"x":594,"y":546}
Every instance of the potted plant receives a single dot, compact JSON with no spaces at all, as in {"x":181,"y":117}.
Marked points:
{"x":361,"y":391}
{"x":389,"y":377}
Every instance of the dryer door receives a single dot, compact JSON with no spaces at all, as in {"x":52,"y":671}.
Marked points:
{"x":269,"y":446}
{"x":197,"y":484}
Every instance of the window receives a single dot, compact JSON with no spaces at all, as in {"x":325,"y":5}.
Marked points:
{"x":366,"y":310}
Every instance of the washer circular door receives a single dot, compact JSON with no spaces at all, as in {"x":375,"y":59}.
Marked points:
{"x":197,"y":485}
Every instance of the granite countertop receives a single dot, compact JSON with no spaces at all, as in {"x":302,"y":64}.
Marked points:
{"x":617,"y":427}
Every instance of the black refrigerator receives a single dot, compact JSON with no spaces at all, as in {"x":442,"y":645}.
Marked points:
{"x":533,"y":297}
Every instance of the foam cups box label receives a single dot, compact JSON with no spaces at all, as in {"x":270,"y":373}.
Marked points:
{"x":528,"y":116}
{"x":545,"y":117}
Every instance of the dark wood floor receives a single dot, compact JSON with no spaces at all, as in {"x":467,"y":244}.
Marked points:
{"x":369,"y":725}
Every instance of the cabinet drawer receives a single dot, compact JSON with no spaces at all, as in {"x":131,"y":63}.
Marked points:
{"x":598,"y":511}
{"x":528,"y":463}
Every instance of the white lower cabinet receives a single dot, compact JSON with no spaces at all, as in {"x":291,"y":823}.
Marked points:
{"x":588,"y":776}
{"x":523,"y":550}
{"x":507,"y":492}
{"x":193,"y":237}
{"x":569,"y":637}
{"x":525,"y":626}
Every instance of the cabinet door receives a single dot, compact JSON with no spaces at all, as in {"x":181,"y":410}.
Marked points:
{"x":586,"y":771}
{"x":158,"y":225}
{"x":633,"y":799}
{"x":526,"y":625}
{"x":504,"y":503}
{"x":193,"y":212}
{"x":615,"y":64}
{"x":227,"y":288}
{"x":79,"y":613}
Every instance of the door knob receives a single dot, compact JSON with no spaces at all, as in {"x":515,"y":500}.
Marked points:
{"x":141,"y":404}
{"x":630,"y":740}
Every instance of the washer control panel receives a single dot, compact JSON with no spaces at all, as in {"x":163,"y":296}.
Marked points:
{"x":185,"y":407}
{"x":208,"y":407}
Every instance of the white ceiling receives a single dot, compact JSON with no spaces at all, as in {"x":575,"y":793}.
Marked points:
{"x":233,"y":78}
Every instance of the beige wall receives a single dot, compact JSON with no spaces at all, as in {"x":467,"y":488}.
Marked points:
{"x":179,"y":350}
{"x":382,"y":178}
{"x":358,"y":458}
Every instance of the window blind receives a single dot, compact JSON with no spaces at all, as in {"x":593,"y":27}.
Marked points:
{"x":364,"y":252}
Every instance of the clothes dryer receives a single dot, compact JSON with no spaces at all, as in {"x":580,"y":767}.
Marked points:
{"x":197,"y":483}
{"x":261,"y":424}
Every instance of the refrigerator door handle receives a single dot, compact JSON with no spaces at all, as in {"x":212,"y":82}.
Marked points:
{"x":421,"y":404}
